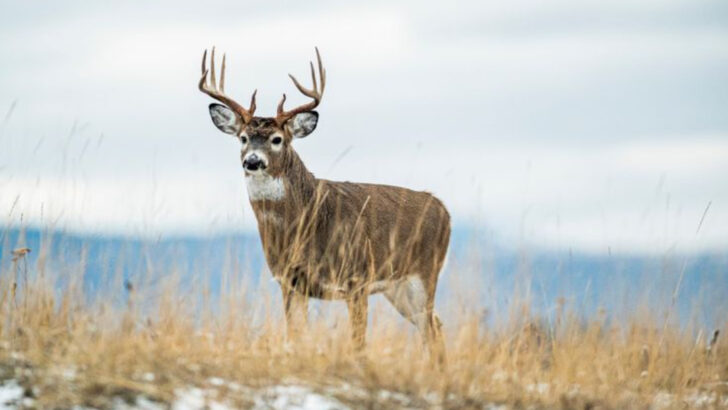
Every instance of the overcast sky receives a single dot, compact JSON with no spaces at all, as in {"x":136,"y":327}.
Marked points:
{"x":565,"y":124}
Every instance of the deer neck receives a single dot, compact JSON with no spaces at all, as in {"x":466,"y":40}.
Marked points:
{"x":286,"y":193}
{"x":300,"y":181}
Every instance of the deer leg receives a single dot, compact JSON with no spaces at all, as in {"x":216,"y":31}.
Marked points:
{"x":295,"y":306}
{"x":435,"y":341}
{"x":416,"y":304}
{"x":358,"y":306}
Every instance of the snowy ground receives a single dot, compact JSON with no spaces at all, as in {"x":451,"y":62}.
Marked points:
{"x":283,"y":396}
{"x":300,"y":396}
{"x":193,"y":398}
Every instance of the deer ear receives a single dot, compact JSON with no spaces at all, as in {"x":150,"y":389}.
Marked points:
{"x":302,"y":124}
{"x":225,"y":119}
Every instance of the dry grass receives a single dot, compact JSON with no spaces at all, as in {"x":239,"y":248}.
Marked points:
{"x":67,"y":348}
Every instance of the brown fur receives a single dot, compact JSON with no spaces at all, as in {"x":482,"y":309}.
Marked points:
{"x":330,"y":240}
{"x":343,"y":235}
{"x":333,"y":240}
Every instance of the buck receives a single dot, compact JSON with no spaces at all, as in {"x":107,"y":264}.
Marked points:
{"x":332,"y":240}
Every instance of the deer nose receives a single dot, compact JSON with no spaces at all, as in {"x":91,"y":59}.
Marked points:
{"x":253,"y":163}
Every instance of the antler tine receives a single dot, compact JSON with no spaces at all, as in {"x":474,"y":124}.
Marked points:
{"x":322,"y":71}
{"x":222,"y":74}
{"x":252,"y":102}
{"x":203,"y":80}
{"x":313,"y":76}
{"x":211,"y":88}
{"x":280,"y":104}
{"x":213,"y":80}
{"x":316,"y":93}
{"x":204,"y":64}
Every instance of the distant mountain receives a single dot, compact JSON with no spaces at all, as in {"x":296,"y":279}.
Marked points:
{"x":481,"y":274}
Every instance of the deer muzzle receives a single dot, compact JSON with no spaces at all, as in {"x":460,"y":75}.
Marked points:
{"x":254,"y":162}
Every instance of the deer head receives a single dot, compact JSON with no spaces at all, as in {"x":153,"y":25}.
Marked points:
{"x":266,"y":141}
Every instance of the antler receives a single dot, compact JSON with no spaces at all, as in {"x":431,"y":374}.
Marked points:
{"x":315,"y":93}
{"x":218,"y":93}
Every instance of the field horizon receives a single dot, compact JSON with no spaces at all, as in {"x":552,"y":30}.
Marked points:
{"x":690,"y":284}
{"x":118,"y":322}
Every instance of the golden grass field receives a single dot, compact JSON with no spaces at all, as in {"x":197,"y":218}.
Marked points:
{"x":165,"y":345}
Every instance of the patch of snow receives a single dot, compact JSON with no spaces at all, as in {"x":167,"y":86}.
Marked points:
{"x":702,"y":399}
{"x":144,"y":403}
{"x":11,"y":393}
{"x":496,"y":407}
{"x":386,"y":395}
{"x":141,"y":403}
{"x":189,"y":399}
{"x":295,"y":397}
{"x":216,"y":381}
{"x":663,"y":400}
{"x":216,"y":405}
{"x":193,"y":398}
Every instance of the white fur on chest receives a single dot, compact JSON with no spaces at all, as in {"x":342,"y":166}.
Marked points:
{"x":265,"y":187}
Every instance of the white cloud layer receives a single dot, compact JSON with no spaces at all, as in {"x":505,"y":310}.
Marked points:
{"x":596,"y":126}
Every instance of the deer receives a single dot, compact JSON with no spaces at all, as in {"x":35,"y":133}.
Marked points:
{"x":332,"y":240}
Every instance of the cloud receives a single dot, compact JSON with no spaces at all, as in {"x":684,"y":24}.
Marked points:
{"x":557,"y":119}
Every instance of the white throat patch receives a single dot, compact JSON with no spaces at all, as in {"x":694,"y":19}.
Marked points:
{"x":265,"y":187}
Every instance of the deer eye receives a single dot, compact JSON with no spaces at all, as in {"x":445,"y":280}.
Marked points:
{"x":276,"y":140}
{"x":244,"y":139}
